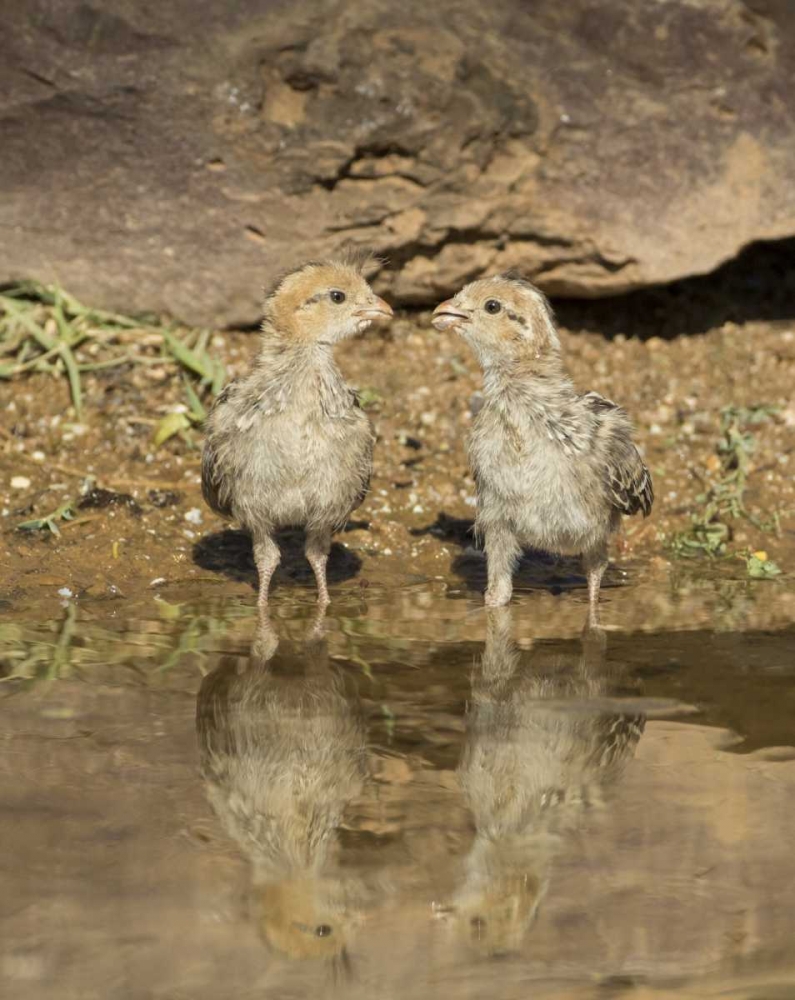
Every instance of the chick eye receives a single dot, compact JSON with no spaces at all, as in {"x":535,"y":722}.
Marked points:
{"x":337,"y":297}
{"x":323,"y":930}
{"x":492,"y":307}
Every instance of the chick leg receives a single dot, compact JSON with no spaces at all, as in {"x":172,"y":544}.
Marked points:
{"x":266,"y":556}
{"x":502,"y":551}
{"x":594,"y":563}
{"x":318,"y":545}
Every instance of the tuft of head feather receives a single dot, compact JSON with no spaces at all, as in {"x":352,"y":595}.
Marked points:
{"x":362,"y":259}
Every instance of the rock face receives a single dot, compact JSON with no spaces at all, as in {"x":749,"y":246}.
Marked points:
{"x":175,"y":156}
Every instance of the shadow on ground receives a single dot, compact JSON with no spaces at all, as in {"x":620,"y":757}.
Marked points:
{"x":229,"y":553}
{"x":536,"y":570}
{"x":758,"y":284}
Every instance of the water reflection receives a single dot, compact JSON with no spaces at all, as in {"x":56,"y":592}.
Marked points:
{"x":537,"y":756}
{"x":283,"y":750}
{"x":520,"y":795}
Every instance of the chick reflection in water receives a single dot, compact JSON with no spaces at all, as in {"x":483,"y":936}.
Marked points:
{"x":536,"y":757}
{"x":283,"y":752}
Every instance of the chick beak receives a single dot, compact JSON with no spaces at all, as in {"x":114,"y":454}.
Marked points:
{"x":375,"y":310}
{"x":447,"y":316}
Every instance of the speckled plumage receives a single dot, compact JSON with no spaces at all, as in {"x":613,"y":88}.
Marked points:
{"x":555,"y":468}
{"x":288,"y":444}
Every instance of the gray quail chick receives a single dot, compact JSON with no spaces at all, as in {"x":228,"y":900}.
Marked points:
{"x":555,"y":468}
{"x":288,"y":444}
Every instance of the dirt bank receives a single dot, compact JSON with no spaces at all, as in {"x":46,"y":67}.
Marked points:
{"x":420,"y":388}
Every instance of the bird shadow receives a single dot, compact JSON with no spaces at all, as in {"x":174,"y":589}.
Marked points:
{"x":229,"y":553}
{"x":536,"y":570}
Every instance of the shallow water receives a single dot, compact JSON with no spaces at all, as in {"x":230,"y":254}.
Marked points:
{"x":410,"y":798}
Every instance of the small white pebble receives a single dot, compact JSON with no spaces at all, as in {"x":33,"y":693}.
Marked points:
{"x":471,"y":501}
{"x":157,"y":581}
{"x":65,"y":592}
{"x":387,"y":552}
{"x":193,"y":516}
{"x":179,"y":408}
{"x":20,"y":483}
{"x":188,"y":533}
{"x":418,"y":509}
{"x":38,"y":456}
{"x":655,"y":429}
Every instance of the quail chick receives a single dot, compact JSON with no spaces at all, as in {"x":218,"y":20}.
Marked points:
{"x":283,"y":751}
{"x":555,"y":468}
{"x":288,"y":444}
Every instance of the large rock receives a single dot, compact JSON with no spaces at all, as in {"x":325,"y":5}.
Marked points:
{"x":173,"y":156}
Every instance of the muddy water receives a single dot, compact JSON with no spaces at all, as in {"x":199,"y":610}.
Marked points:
{"x":409,"y":798}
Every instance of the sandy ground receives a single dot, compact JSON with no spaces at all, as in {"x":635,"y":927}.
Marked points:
{"x":420,"y":388}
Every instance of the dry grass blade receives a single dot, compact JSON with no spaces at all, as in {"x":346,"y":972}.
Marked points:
{"x":73,"y":374}
{"x":44,"y":329}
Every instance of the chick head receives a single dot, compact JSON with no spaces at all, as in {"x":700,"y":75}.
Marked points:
{"x":323,"y":302}
{"x":504,"y":316}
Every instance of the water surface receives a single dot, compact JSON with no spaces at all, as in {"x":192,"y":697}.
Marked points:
{"x":411,"y":797}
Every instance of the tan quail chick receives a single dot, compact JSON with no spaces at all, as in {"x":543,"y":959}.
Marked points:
{"x":283,"y":751}
{"x":288,"y":444}
{"x":555,"y":468}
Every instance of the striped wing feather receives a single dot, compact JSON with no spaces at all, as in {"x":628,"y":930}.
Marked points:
{"x":629,"y":481}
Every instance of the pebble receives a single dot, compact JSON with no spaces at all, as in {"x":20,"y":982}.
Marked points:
{"x":20,"y":483}
{"x":193,"y":516}
{"x":157,"y":581}
{"x":65,"y":592}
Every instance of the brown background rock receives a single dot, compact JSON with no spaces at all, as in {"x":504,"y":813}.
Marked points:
{"x":173,"y":156}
